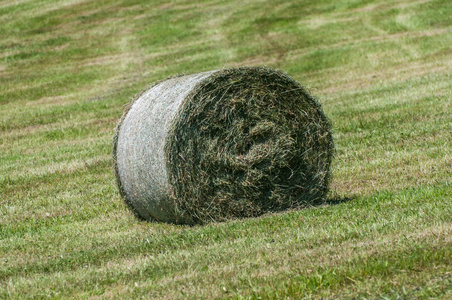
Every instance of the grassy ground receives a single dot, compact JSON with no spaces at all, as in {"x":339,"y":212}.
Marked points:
{"x":381,"y":69}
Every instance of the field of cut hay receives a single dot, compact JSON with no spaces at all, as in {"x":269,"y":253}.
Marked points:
{"x":382,"y":72}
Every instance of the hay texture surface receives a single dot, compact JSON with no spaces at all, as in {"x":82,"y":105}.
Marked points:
{"x":222,"y":144}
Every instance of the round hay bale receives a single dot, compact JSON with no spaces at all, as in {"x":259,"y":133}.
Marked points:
{"x":223,"y":144}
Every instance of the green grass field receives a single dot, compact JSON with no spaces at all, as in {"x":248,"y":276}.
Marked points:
{"x":382,"y":71}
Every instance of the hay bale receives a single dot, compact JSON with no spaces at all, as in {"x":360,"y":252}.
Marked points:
{"x":220,"y":145}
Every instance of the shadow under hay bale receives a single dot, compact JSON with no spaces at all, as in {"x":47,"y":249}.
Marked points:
{"x":220,"y":145}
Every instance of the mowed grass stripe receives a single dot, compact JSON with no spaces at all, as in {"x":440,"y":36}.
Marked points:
{"x":333,"y":269}
{"x":39,"y":196}
{"x":380,"y":270}
{"x":394,"y":214}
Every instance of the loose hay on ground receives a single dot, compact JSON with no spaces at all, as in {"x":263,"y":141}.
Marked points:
{"x":222,"y":144}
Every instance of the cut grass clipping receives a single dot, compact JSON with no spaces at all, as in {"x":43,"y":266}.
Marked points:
{"x":220,"y":145}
